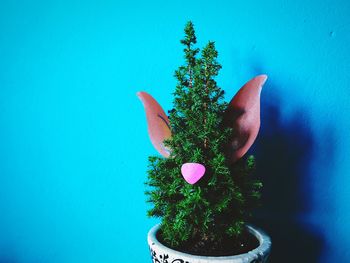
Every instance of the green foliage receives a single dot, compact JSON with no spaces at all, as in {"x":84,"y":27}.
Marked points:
{"x":216,"y":207}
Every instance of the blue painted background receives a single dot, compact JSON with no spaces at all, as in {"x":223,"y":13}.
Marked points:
{"x":73,"y":140}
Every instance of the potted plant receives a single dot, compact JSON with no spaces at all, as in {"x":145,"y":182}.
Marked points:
{"x":203,"y":187}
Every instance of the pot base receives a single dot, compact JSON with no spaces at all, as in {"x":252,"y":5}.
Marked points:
{"x":163,"y":254}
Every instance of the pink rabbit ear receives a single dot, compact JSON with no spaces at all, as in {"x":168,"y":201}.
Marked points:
{"x":243,"y":115}
{"x":158,"y":123}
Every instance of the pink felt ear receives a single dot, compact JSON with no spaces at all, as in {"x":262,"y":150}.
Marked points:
{"x":158,"y":123}
{"x":243,"y":115}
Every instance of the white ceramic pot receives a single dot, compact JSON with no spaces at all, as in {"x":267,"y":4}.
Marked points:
{"x":163,"y":254}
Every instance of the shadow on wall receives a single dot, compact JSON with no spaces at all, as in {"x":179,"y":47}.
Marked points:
{"x":284,"y":150}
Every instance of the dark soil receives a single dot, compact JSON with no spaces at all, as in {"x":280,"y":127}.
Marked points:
{"x":228,"y":247}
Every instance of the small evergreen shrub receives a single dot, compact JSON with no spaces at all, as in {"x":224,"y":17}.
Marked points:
{"x":205,"y":215}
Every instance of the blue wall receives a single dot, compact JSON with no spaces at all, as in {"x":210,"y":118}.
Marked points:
{"x":73,"y":140}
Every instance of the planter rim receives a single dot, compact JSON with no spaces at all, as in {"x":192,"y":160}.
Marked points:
{"x":263,"y":248}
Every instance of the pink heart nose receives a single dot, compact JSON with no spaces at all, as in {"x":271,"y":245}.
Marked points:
{"x":192,"y":172}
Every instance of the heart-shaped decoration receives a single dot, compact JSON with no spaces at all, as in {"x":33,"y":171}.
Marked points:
{"x":192,"y":172}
